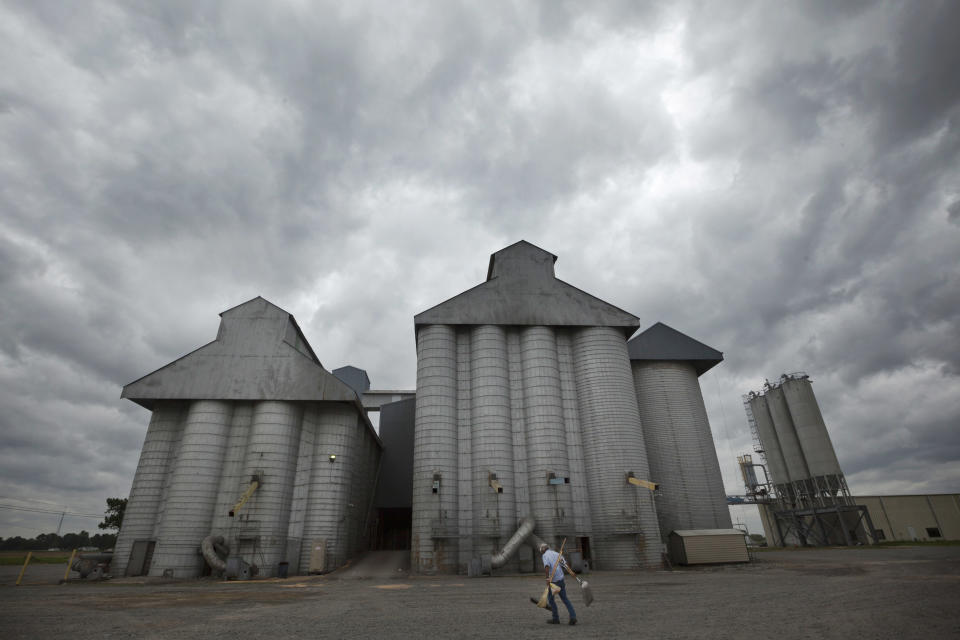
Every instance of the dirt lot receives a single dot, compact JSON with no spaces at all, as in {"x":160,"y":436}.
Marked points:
{"x":906,"y":592}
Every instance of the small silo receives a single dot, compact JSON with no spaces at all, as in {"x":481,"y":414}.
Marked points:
{"x":250,"y":419}
{"x":683,"y":458}
{"x":525,"y":413}
{"x":811,"y":502}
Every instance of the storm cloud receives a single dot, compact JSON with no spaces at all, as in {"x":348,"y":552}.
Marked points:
{"x":777,"y":181}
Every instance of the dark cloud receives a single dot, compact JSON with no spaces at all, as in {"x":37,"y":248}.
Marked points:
{"x":770,"y":179}
{"x":953,"y":212}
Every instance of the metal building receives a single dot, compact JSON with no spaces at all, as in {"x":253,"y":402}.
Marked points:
{"x":253,"y":449}
{"x":807,"y":500}
{"x":926,"y":518}
{"x":708,"y":546}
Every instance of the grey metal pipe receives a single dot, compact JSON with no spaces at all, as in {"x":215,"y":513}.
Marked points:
{"x":209,"y":547}
{"x":526,"y":528}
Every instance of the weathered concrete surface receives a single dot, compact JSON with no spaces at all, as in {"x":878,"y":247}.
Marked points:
{"x":844,"y":593}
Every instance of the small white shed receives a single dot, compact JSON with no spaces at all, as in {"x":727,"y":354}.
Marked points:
{"x":708,"y":546}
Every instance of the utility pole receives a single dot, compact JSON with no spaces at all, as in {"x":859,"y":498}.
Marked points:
{"x":61,"y":523}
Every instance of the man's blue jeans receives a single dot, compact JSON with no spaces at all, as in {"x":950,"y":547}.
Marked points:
{"x":563,"y":596}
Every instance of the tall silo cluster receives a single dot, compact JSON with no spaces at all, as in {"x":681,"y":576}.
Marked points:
{"x":808,"y":500}
{"x":802,"y":464}
{"x":253,"y":450}
{"x":527,"y":412}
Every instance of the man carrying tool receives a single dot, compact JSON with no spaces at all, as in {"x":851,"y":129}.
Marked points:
{"x":553,"y":563}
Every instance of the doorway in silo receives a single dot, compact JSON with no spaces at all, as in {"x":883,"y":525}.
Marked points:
{"x":393,"y":529}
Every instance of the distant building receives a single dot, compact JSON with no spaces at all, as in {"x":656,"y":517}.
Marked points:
{"x":924,"y":518}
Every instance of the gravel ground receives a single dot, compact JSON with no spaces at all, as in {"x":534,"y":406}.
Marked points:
{"x":904,"y":592}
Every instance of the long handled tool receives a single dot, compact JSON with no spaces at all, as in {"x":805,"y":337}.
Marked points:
{"x":584,"y":586}
{"x":543,"y":603}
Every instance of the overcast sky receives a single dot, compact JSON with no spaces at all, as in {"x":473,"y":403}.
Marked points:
{"x":777,"y":180}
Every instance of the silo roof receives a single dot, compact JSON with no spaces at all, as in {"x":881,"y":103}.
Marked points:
{"x":260,"y":353}
{"x":522,"y":289}
{"x":661,"y":342}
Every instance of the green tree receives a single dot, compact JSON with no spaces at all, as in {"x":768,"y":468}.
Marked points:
{"x":113,"y":516}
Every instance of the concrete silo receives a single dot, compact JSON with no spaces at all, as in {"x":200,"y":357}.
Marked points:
{"x":253,"y":447}
{"x":526,"y":416}
{"x":683,"y":459}
{"x":811,"y":503}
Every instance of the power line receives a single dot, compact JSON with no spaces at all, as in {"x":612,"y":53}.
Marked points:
{"x":51,"y":511}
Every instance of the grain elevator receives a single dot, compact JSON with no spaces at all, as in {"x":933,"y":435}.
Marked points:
{"x":530,"y":415}
{"x":535,"y":417}
{"x":254,"y":452}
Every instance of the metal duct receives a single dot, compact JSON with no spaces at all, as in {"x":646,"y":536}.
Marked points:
{"x":192,"y":493}
{"x":211,"y":547}
{"x":624,"y":517}
{"x":680,"y":447}
{"x":146,"y":494}
{"x":522,"y":533}
{"x":435,"y":452}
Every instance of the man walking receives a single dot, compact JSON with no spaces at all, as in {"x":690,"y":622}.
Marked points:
{"x":553,"y":563}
